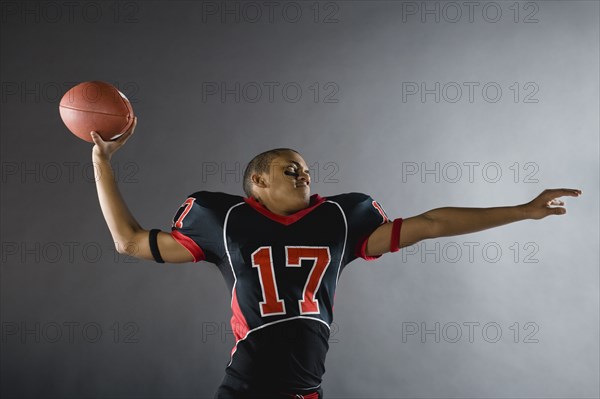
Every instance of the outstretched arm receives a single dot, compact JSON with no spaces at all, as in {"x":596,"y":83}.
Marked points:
{"x":451,"y":221}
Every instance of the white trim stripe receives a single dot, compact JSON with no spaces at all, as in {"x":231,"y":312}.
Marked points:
{"x":345,"y":242}
{"x":231,"y":265}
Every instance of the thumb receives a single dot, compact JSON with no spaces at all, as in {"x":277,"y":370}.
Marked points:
{"x":96,"y":137}
{"x":557,"y":211}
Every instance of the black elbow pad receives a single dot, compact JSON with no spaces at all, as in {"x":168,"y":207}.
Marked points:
{"x":154,"y":245}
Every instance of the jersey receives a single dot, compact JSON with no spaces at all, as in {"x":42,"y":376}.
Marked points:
{"x":282,"y":272}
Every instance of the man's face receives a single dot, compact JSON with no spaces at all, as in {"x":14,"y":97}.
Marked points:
{"x":286,"y":188}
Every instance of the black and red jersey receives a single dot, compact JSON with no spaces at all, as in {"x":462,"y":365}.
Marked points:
{"x":282,"y":272}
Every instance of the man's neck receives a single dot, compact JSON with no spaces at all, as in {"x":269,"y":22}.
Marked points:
{"x":279,"y":212}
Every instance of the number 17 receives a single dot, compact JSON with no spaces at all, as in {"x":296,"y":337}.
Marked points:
{"x":272,"y":304}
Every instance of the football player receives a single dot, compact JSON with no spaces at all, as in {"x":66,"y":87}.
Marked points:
{"x":281,"y":251}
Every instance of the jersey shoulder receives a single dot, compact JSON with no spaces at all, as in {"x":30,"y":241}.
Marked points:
{"x":360,"y":205}
{"x":204,"y":208}
{"x":215,"y":200}
{"x":349,"y":201}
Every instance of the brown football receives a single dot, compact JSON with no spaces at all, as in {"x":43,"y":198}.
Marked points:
{"x":97,"y":106}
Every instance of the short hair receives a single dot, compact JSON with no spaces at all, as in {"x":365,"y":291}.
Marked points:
{"x":261,"y":164}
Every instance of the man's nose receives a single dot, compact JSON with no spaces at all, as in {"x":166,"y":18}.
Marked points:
{"x":303,"y":176}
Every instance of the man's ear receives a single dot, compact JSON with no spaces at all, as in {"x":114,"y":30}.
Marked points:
{"x":259,"y":180}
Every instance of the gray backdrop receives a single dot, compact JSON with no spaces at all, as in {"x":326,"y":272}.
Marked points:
{"x":419,"y":104}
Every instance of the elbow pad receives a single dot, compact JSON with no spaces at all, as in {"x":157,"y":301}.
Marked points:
{"x":154,"y":245}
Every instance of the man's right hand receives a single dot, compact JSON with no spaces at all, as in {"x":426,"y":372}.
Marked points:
{"x":105,"y":149}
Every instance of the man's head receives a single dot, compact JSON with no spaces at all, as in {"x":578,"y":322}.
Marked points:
{"x":279,"y":179}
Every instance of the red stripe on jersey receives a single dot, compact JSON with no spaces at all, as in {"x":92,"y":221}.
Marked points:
{"x":188,"y":206}
{"x":315,"y":200}
{"x":313,"y":395}
{"x":190,"y":245}
{"x":395,"y":244}
{"x":239,"y":325}
{"x":381,"y":211}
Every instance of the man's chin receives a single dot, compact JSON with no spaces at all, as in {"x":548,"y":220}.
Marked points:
{"x":304,"y":198}
{"x":306,"y":195}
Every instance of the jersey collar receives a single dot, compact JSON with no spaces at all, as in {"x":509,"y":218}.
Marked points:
{"x":315,"y":200}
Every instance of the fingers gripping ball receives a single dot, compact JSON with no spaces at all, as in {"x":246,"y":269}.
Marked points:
{"x":96,"y":106}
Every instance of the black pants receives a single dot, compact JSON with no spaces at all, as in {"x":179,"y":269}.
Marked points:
{"x":232,"y":388}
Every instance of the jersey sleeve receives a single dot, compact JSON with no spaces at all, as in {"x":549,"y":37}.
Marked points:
{"x":364,"y":217}
{"x":198,"y":226}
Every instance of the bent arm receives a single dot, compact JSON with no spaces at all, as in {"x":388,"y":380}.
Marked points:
{"x":120,"y":221}
{"x":129,"y":237}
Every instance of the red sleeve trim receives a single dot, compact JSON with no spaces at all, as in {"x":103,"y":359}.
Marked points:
{"x":395,"y":244}
{"x":190,"y":245}
{"x":361,"y":250}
